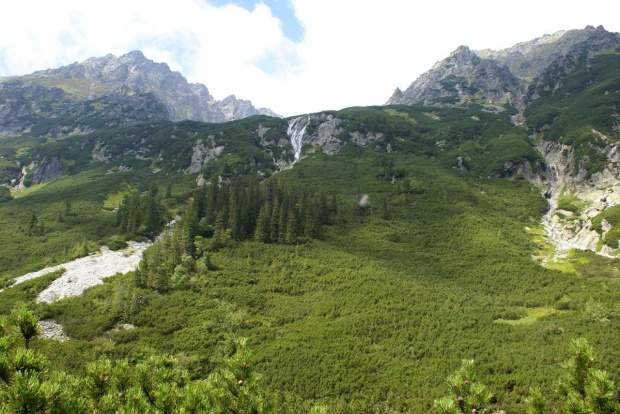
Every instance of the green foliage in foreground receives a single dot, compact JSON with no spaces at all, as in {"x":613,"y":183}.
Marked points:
{"x":580,"y":388}
{"x":159,"y":385}
{"x":156,"y":385}
{"x":466,"y":394}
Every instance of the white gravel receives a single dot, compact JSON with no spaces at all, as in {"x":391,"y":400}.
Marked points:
{"x":51,"y":329}
{"x":88,"y":271}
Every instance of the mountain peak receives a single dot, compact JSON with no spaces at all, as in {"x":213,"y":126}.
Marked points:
{"x":137,"y":54}
{"x":135,"y":73}
{"x":500,"y":76}
{"x":462,"y":50}
{"x":461,"y":77}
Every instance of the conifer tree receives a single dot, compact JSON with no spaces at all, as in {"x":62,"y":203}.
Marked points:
{"x":263,"y":224}
{"x":385,"y":210}
{"x":466,"y":395}
{"x":32,"y":224}
{"x":234,"y":216}
{"x":26,"y":322}
{"x":583,"y":388}
{"x":122,"y":213}
{"x":200,"y":202}
{"x":189,"y":231}
{"x":323,"y":212}
{"x":283,"y":222}
{"x":218,"y":234}
{"x":334,"y":210}
{"x":211,"y":207}
{"x":312,"y":223}
{"x":274,"y":221}
{"x":292,"y":227}
{"x":152,"y":215}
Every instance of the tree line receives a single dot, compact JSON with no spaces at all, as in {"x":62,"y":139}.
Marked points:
{"x":224,"y":213}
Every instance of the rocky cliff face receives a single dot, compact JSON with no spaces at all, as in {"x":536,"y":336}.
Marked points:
{"x":462,"y":77}
{"x":203,"y":152}
{"x":315,"y":130}
{"x":575,"y":200}
{"x":511,"y":76}
{"x":324,"y":130}
{"x":131,"y":88}
{"x":27,"y":107}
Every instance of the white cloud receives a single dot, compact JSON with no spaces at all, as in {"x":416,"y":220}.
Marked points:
{"x":354,"y":52}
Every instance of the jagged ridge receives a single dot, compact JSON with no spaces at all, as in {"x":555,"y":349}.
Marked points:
{"x":115,"y":79}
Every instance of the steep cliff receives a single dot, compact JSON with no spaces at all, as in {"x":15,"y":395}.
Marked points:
{"x":460,"y":78}
{"x":515,"y":76}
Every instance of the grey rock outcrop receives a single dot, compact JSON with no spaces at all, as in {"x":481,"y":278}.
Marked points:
{"x":316,"y":130}
{"x":28,"y":107}
{"x":364,"y":138}
{"x":579,"y":55}
{"x":203,"y":153}
{"x":48,"y":171}
{"x":534,"y":172}
{"x":594,"y":195}
{"x":460,"y":78}
{"x":50,"y":329}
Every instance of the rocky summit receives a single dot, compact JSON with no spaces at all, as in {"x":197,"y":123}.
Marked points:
{"x":130,"y":87}
{"x":509,"y":76}
{"x":463,"y":76}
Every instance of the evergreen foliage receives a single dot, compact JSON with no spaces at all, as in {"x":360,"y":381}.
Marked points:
{"x":466,"y":394}
{"x":142,"y":215}
{"x":347,"y":307}
{"x":155,"y":385}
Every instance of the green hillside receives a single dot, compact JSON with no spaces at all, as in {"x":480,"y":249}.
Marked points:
{"x":367,"y":309}
{"x":581,"y":108}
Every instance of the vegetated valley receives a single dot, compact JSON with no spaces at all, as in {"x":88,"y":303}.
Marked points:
{"x":340,"y":262}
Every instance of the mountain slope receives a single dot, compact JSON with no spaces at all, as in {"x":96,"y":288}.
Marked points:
{"x":119,"y":79}
{"x":510,"y":76}
{"x":527,"y":60}
{"x":461,"y":78}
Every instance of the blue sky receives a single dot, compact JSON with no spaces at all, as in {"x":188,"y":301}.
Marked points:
{"x":282,"y":9}
{"x":293,"y":56}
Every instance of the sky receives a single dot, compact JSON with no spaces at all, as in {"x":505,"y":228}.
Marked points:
{"x":292,"y":56}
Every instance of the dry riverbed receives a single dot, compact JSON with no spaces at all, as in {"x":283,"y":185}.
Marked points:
{"x":88,"y":271}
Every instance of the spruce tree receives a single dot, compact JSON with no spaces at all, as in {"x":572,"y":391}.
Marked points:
{"x":189,"y":230}
{"x":211,"y":207}
{"x":274,"y":221}
{"x":292,"y":227}
{"x":263,"y":225}
{"x":283,"y":222}
{"x":312,"y":223}
{"x":234,"y":216}
{"x":32,"y":224}
{"x":385,"y":210}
